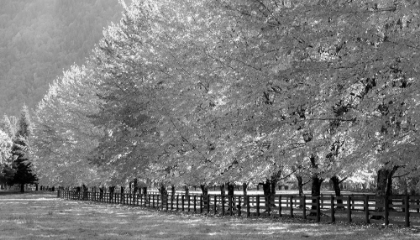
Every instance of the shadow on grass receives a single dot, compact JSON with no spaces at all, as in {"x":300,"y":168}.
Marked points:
{"x":59,"y":219}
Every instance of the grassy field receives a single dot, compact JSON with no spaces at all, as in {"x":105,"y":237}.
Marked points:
{"x":42,"y":216}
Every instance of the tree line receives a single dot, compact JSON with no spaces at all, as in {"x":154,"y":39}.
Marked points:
{"x":215,"y":92}
{"x":16,"y":167}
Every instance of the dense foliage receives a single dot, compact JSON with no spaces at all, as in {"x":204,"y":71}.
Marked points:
{"x":210,"y":92}
{"x":16,"y":165}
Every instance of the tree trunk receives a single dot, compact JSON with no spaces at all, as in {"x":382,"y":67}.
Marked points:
{"x":36,"y":187}
{"x":274,"y":180}
{"x":85,"y":191}
{"x":316,"y":189}
{"x":173,"y":191}
{"x":245,"y":193}
{"x":383,"y":188}
{"x":231,"y":189}
{"x":122,"y":195}
{"x":204,"y":189}
{"x":187,"y":191}
{"x":22,"y":188}
{"x":300,"y":185}
{"x":111,"y":192}
{"x":163,"y":190}
{"x":267,"y":193}
{"x":222,"y":189}
{"x":101,"y":193}
{"x":273,"y":187}
{"x":336,"y":185}
{"x":135,"y":186}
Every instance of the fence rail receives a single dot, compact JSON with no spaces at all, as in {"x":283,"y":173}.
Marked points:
{"x":402,"y":210}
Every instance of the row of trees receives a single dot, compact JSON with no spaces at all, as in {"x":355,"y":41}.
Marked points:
{"x":208,"y":92}
{"x":15,"y":165}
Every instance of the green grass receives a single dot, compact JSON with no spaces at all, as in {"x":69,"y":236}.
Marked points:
{"x":35,"y":216}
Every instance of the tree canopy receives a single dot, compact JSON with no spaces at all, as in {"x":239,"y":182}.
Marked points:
{"x":208,"y":92}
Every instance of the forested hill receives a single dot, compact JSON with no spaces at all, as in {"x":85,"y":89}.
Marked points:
{"x":40,"y":38}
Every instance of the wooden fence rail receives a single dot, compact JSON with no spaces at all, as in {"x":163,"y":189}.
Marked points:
{"x":400,"y":209}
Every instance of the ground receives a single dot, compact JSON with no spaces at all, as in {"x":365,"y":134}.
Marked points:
{"x":43,"y":216}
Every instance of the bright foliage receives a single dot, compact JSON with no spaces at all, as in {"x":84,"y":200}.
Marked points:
{"x":204,"y":92}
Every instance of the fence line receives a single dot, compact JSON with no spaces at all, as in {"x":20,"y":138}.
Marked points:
{"x":400,"y":209}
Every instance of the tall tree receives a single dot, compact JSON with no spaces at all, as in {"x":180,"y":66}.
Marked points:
{"x":20,"y":152}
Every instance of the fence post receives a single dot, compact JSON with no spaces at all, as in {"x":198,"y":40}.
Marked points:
{"x":418,"y":205}
{"x":332,"y":209}
{"x":291,"y":206}
{"x":201,"y":203}
{"x":239,"y":206}
{"x":318,"y":209}
{"x":153,"y":201}
{"x":195,"y":203}
{"x":208,"y":204}
{"x":279,"y":205}
{"x":141,"y":199}
{"x":182,"y":202}
{"x":215,"y":205}
{"x":248,"y":206}
{"x":349,"y":208}
{"x":230,"y":205}
{"x":148,"y":198}
{"x":304,"y":206}
{"x":223,"y":204}
{"x":386,"y":210}
{"x":258,"y":205}
{"x":407,"y":211}
{"x":167,"y":202}
{"x":322,"y":201}
{"x":366,"y":203}
{"x":189,"y":202}
{"x":177,"y":202}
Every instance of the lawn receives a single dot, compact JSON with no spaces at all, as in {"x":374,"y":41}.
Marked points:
{"x":42,"y":216}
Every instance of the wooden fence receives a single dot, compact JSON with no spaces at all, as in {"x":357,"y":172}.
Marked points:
{"x":403,"y":210}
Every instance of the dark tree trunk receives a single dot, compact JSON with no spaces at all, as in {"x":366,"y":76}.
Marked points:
{"x":144,"y":191}
{"x":204,"y":189}
{"x":36,"y":187}
{"x":384,"y":185}
{"x":101,"y":193}
{"x":245,"y":192}
{"x":173,"y":191}
{"x":222,"y":189}
{"x":122,"y":195}
{"x":111,"y":192}
{"x":22,"y":188}
{"x":135,"y":186}
{"x":267,"y":193}
{"x":231,"y":189}
{"x":85,"y":191}
{"x":187,"y":191}
{"x":336,"y":185}
{"x":273,"y":187}
{"x":300,"y":185}
{"x":163,"y":190}
{"x":316,"y":189}
{"x":274,"y":180}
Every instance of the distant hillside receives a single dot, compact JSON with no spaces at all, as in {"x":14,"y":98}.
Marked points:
{"x":40,"y":38}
